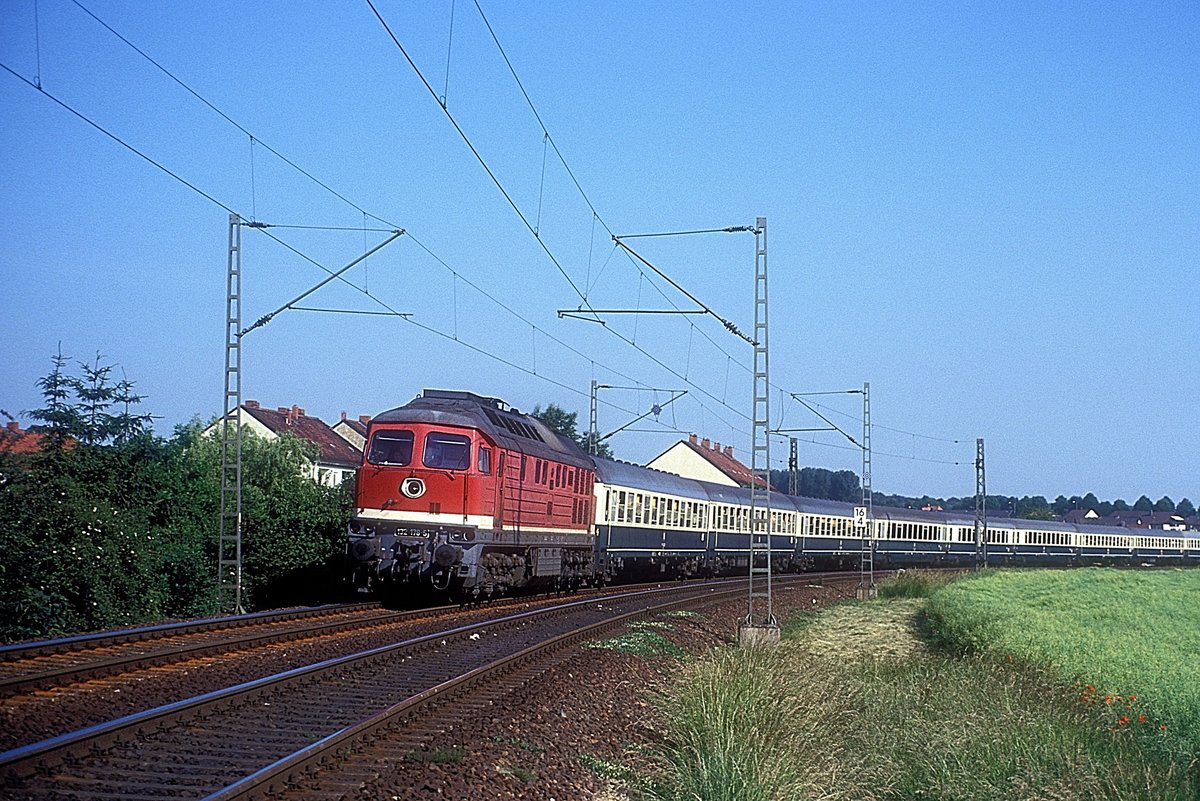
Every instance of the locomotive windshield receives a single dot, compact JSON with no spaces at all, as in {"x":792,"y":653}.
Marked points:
{"x":447,"y":451}
{"x":391,"y":447}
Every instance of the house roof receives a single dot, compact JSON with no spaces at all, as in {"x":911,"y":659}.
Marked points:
{"x":334,"y":449}
{"x":1138,"y":519}
{"x":14,"y":439}
{"x":358,"y":426}
{"x":722,"y":459}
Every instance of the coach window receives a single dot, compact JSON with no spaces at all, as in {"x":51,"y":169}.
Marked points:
{"x":485,"y":460}
{"x":391,"y":448}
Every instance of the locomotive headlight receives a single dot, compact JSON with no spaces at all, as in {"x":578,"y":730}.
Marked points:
{"x":412,"y":487}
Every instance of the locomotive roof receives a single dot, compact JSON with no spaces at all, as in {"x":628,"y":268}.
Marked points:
{"x":508,"y":427}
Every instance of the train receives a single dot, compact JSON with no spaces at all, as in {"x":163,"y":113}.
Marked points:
{"x":463,"y":495}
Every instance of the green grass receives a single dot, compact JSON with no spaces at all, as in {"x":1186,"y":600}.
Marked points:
{"x":640,"y":640}
{"x":438,"y":756}
{"x":1125,"y":633}
{"x":915,"y":583}
{"x":857,"y":705}
{"x":525,"y":775}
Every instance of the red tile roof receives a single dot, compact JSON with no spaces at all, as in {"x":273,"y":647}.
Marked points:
{"x":334,"y":449}
{"x":722,"y":459}
{"x":14,"y":439}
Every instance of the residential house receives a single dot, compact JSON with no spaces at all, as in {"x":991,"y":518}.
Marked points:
{"x":337,"y":459}
{"x":353,"y":431}
{"x":703,"y":460}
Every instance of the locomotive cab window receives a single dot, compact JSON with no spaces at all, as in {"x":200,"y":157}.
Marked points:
{"x":485,"y":460}
{"x":447,"y":451}
{"x":391,"y":448}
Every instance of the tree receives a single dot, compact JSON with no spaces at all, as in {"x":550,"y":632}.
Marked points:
{"x":1034,"y":507}
{"x":1120,"y":505}
{"x":59,"y":417}
{"x":1164,"y":504}
{"x":1185,"y":508}
{"x":560,"y":421}
{"x":1143,"y":504}
{"x":1089,"y":501}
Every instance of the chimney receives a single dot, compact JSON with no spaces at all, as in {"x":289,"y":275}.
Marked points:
{"x":283,"y":410}
{"x":729,"y":451}
{"x":704,"y":443}
{"x":364,"y":418}
{"x":252,"y":404}
{"x":14,"y":426}
{"x":343,"y":417}
{"x":717,"y":447}
{"x":292,"y":414}
{"x":692,"y":438}
{"x":299,"y":412}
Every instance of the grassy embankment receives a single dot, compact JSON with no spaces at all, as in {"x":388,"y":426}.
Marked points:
{"x":859,"y":703}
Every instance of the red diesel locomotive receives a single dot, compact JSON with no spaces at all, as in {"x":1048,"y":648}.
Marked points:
{"x":462,"y":493}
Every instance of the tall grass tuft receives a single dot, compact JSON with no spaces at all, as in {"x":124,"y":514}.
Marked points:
{"x":735,"y":735}
{"x":914,"y":583}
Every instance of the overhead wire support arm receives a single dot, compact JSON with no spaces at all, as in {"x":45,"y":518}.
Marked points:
{"x":266,"y":318}
{"x":808,"y":406}
{"x":655,"y":410}
{"x":735,"y":229}
{"x":577,"y":312}
{"x":704,"y":308}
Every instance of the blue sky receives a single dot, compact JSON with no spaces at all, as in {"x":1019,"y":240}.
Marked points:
{"x":991,"y":212}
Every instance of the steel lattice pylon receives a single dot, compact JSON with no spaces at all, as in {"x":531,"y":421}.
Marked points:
{"x":866,"y":578}
{"x":761,"y":610}
{"x":981,"y":557}
{"x":229,"y":542}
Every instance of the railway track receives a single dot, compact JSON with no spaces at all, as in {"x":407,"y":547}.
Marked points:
{"x":47,"y":663}
{"x":266,"y":733}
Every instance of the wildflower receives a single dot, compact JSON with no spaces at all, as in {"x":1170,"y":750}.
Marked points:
{"x":1163,"y":727}
{"x":1123,"y":720}
{"x":1141,"y":718}
{"x":1108,"y":700}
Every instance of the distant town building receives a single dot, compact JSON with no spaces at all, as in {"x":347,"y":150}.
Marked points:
{"x":1130,"y":518}
{"x":337,"y":458}
{"x":703,"y":461}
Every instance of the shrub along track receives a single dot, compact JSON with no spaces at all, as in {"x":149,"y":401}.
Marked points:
{"x":193,"y":747}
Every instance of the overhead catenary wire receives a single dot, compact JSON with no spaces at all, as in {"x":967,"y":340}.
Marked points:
{"x":260,"y":225}
{"x":254,"y":139}
{"x":478,"y":156}
{"x":512,"y":203}
{"x":229,"y":119}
